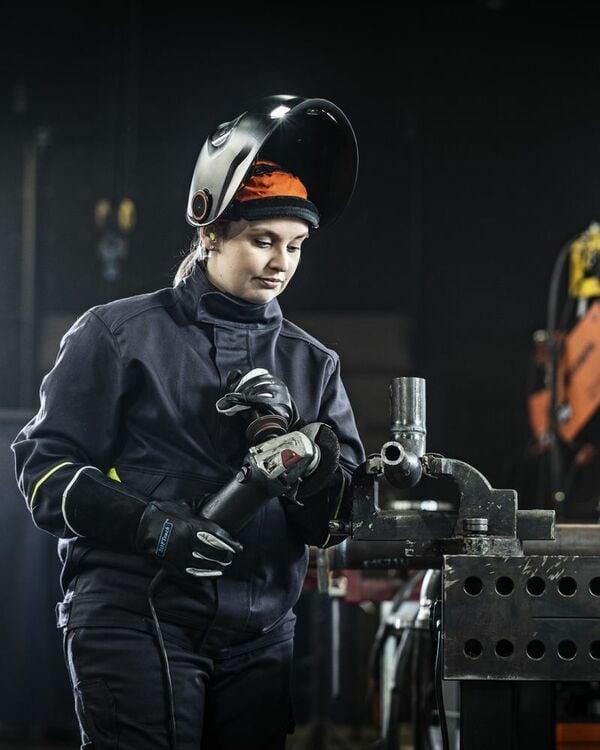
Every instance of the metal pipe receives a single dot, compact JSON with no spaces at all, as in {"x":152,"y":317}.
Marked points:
{"x":400,"y":467}
{"x":407,"y":413}
{"x":357,"y":555}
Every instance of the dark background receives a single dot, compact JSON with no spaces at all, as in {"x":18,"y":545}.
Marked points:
{"x":478,"y":128}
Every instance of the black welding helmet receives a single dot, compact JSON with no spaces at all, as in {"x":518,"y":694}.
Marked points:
{"x":311,"y":138}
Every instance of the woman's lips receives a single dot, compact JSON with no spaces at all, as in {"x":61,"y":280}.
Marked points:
{"x":268,"y":283}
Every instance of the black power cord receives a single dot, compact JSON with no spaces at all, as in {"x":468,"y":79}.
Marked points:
{"x":158,"y":578}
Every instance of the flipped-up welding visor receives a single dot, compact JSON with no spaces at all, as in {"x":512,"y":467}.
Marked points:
{"x":310,"y":138}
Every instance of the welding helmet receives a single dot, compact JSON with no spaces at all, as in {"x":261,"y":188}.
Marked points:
{"x":311,"y":139}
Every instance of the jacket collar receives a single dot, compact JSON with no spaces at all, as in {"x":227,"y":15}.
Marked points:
{"x":204,"y":302}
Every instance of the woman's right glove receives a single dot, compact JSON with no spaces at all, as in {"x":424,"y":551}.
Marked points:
{"x":114,"y":515}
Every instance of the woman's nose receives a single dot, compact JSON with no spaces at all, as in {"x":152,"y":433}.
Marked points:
{"x":280,"y":258}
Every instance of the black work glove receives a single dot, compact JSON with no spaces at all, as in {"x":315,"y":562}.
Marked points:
{"x":259,"y":394}
{"x":111,"y":513}
{"x":184,"y":543}
{"x":329,"y":457}
{"x":320,"y":494}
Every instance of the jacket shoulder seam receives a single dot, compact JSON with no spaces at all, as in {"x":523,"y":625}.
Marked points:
{"x":120,"y":321}
{"x":307,"y":339}
{"x":113,"y":338}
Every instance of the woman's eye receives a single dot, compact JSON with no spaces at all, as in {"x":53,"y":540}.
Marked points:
{"x":263,"y":243}
{"x":294,"y":249}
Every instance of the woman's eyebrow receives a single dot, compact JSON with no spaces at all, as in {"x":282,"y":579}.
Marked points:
{"x":274,"y":235}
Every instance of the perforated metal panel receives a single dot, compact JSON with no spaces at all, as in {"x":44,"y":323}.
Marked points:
{"x":521,"y":618}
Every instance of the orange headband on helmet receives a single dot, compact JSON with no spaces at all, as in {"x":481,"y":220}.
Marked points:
{"x":271,"y":191}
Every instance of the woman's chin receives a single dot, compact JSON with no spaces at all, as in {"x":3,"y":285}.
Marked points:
{"x":260,"y":296}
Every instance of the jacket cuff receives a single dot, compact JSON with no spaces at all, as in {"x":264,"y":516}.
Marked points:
{"x":99,"y":508}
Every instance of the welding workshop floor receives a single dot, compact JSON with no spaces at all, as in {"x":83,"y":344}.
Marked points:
{"x":304,"y":738}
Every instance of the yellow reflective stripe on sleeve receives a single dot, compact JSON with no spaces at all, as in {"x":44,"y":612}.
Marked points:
{"x":43,"y":479}
{"x":113,"y":474}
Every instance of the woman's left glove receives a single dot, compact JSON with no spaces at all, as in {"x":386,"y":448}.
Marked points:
{"x":320,"y":493}
{"x":329,"y":457}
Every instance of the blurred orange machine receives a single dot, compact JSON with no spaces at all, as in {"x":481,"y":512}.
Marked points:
{"x":578,"y":736}
{"x":578,"y":382}
{"x":578,"y":365}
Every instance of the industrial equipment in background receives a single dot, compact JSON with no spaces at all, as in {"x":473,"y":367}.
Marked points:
{"x":564,"y":392}
{"x":114,"y":227}
{"x":485,"y":647}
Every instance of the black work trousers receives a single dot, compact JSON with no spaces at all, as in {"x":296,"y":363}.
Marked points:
{"x":236,"y":703}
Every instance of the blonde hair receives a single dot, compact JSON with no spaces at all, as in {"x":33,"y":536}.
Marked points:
{"x":197,"y":252}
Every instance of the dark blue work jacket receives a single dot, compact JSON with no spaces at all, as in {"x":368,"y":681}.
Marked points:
{"x":133,"y":392}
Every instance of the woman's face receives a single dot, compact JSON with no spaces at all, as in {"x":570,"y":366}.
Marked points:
{"x":256,"y":259}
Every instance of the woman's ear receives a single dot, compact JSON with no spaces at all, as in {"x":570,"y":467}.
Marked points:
{"x":209,"y":237}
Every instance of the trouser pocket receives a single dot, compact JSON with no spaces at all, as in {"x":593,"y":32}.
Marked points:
{"x":95,"y":705}
{"x":95,"y":709}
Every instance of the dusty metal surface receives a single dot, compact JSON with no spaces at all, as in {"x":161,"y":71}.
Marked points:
{"x":531,"y":617}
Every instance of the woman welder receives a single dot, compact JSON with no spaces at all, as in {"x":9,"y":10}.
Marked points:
{"x":128,"y":448}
